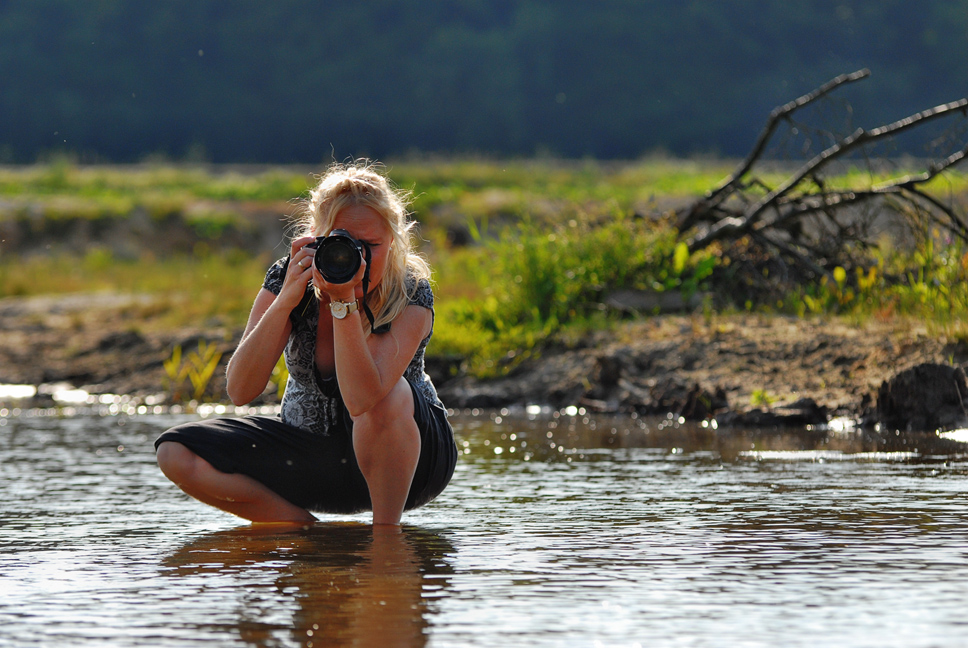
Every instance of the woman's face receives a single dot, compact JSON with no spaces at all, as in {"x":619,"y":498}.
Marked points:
{"x":368,"y":226}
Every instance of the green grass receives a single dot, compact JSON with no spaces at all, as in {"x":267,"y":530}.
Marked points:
{"x":189,"y":290}
{"x":151,"y":181}
{"x":546,"y":241}
{"x":535,"y":281}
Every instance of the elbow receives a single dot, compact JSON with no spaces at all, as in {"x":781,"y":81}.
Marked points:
{"x":237,"y":398}
{"x":371,"y":400}
{"x":357,"y":408}
{"x":355,"y":412}
{"x":238,"y":394}
{"x":382,"y":409}
{"x":240,"y":386}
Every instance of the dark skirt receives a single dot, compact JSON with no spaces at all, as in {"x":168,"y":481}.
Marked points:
{"x":314,"y":471}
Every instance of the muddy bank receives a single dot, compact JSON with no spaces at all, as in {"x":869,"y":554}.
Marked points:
{"x":742,"y":369}
{"x":748,"y":370}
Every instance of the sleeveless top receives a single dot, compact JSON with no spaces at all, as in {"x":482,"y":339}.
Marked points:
{"x":311,"y":402}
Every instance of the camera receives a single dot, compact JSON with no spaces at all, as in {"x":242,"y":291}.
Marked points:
{"x":338,"y":256}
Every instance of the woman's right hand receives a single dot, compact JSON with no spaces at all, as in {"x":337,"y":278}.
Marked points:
{"x":268,"y":328}
{"x":299,"y":273}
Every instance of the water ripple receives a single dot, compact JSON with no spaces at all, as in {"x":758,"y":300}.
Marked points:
{"x":580,"y":531}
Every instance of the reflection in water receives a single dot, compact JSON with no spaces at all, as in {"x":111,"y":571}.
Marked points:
{"x":352,"y":584}
{"x":549,"y":436}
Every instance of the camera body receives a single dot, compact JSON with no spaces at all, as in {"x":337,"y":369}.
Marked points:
{"x":338,"y":256}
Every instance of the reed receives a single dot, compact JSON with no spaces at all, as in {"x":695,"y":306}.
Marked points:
{"x":197,"y":368}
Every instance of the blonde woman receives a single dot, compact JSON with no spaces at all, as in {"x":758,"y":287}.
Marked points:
{"x":361,"y":426}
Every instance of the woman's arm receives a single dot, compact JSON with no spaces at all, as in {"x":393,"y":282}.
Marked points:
{"x":262,"y":343}
{"x":367,"y":368}
{"x":268,"y":329}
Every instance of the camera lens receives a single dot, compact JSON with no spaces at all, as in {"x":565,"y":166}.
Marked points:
{"x":338,"y":257}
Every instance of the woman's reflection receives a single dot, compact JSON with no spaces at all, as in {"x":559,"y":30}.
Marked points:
{"x":353,"y":584}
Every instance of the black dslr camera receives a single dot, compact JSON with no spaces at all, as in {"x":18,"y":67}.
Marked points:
{"x":338,"y":256}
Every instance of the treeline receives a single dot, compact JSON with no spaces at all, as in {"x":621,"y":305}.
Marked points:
{"x":309,"y":80}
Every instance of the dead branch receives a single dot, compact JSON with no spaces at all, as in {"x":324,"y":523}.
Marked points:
{"x":740,"y":225}
{"x":774,"y":217}
{"x":714,"y":197}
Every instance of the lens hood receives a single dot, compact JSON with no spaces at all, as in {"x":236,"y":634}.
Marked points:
{"x":338,"y":256}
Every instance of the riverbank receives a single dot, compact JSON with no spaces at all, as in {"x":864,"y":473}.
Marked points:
{"x":744,"y":369}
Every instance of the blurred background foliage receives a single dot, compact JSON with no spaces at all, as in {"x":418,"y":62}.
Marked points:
{"x":548,"y":144}
{"x":526,"y":254}
{"x":305,"y":81}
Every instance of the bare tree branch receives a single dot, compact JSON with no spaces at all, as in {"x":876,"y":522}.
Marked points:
{"x":956,"y":225}
{"x":787,"y":249}
{"x":737,"y":226}
{"x":779,"y":113}
{"x":714,"y":197}
{"x":910,"y":181}
{"x":805,"y":226}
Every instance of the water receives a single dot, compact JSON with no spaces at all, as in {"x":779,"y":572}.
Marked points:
{"x":558,"y":530}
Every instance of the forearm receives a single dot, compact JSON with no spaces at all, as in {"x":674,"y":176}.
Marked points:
{"x":252,"y":363}
{"x":361,"y":383}
{"x":368,"y":368}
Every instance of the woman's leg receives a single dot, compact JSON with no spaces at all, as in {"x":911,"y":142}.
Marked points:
{"x":235,"y":493}
{"x":387,"y":445}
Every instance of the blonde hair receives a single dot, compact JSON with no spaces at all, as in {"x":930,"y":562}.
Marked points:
{"x":359,"y":183}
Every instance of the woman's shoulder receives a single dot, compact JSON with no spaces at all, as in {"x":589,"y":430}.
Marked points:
{"x":419,"y":290}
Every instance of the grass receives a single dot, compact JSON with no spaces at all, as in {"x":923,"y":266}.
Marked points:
{"x":135,"y":183}
{"x":190,"y":289}
{"x":524,"y":251}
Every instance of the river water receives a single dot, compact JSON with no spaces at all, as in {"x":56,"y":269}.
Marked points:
{"x":559,"y":529}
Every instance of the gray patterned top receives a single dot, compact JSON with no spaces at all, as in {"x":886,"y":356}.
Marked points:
{"x":310,"y":401}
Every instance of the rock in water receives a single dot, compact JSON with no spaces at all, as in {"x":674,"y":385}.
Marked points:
{"x":924,"y":397}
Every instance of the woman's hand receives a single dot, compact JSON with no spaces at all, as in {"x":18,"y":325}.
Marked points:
{"x":344,"y":292}
{"x":299,"y":272}
{"x":268,"y":328}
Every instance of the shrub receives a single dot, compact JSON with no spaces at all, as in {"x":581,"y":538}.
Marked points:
{"x":536,"y":280}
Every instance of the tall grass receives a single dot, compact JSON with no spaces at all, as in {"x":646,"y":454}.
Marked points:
{"x":187,"y":289}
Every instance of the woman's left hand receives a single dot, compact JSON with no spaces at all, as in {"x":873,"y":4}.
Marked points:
{"x":344,"y":292}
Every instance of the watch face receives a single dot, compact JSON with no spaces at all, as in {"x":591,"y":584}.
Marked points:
{"x":338,"y":309}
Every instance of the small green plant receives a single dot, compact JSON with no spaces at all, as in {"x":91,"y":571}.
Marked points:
{"x":827,"y":297}
{"x":197,"y":367}
{"x":202,"y":367}
{"x":280,"y":376}
{"x":176,"y":372}
{"x":761,"y":398}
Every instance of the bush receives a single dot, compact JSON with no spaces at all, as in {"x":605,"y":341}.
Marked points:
{"x":536,"y":280}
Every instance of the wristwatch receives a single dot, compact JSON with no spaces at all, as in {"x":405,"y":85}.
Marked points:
{"x":342,"y":309}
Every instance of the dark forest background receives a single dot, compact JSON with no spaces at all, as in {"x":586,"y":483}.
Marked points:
{"x":306,"y":81}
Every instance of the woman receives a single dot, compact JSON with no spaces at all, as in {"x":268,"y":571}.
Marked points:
{"x":361,"y":426}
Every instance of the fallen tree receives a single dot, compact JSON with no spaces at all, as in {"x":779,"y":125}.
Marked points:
{"x":807,"y":225}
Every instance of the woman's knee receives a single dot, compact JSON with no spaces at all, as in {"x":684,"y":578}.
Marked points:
{"x":395,"y":410}
{"x":176,"y":461}
{"x":388,"y":430}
